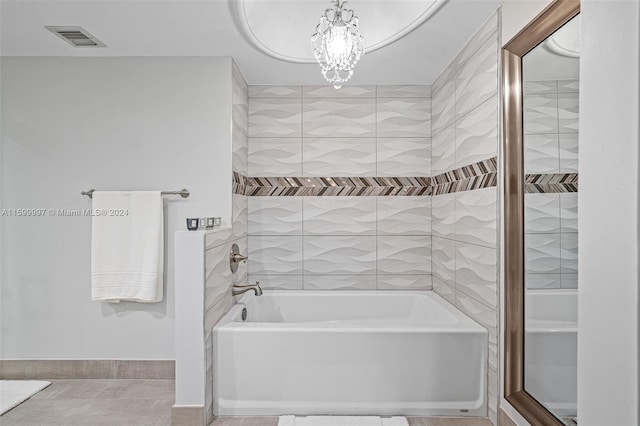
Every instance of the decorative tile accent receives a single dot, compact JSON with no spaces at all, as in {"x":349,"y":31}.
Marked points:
{"x":339,"y":156}
{"x":482,"y":174}
{"x":239,"y":183}
{"x":338,"y":186}
{"x":404,"y":117}
{"x":552,"y":182}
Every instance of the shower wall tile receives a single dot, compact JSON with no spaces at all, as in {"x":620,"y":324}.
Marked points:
{"x":404,"y":255}
{"x":340,"y":282}
{"x":542,"y":253}
{"x":477,"y":79}
{"x":443,"y":104}
{"x":476,"y":216}
{"x":339,"y":216}
{"x":568,"y":152}
{"x":275,"y":117}
{"x":476,"y":272}
{"x":569,"y":280}
{"x":537,"y":87}
{"x":443,"y":151}
{"x":542,"y":281}
{"x":340,"y":255}
{"x":568,"y":86}
{"x":275,"y":216}
{"x":443,"y":260}
{"x":568,"y":112}
{"x":443,"y":215}
{"x":218,"y":276}
{"x":277,"y":282}
{"x":275,"y":255}
{"x":487,"y":31}
{"x":347,"y":91}
{"x":404,"y":215}
{"x":275,"y":157}
{"x":444,"y":290}
{"x":542,"y":213}
{"x":569,"y":212}
{"x":403,"y":157}
{"x":404,"y":91}
{"x":569,"y":253}
{"x":540,"y":113}
{"x":339,"y":157}
{"x":494,"y":390}
{"x":239,"y":216}
{"x":477,"y":134}
{"x":403,"y":117}
{"x":541,"y":153}
{"x":404,"y":282}
{"x":267,"y":91}
{"x":349,"y":117}
{"x":239,"y":151}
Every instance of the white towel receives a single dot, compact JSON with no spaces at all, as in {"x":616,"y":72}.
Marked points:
{"x":127,"y":246}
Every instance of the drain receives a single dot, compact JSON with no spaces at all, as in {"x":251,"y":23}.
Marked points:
{"x":464,"y":410}
{"x":244,"y":314}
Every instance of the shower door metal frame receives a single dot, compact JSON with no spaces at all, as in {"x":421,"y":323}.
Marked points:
{"x":554,"y":16}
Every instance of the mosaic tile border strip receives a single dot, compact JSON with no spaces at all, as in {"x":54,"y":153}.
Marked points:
{"x":337,"y":186}
{"x":482,"y":174}
{"x":551,"y":183}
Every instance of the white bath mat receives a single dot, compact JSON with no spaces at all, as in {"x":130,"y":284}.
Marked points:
{"x":15,"y":392}
{"x":341,"y":421}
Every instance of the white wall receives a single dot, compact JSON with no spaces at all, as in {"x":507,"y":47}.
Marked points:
{"x":608,"y":214}
{"x":71,"y":124}
{"x":516,"y":14}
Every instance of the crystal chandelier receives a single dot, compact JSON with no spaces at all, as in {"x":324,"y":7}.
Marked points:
{"x":337,"y":43}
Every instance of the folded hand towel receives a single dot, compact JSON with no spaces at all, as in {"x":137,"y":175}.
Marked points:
{"x":127,"y":246}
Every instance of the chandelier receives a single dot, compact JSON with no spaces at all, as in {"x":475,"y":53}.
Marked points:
{"x":337,"y":43}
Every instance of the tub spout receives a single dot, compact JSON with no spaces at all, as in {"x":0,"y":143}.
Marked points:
{"x":239,"y":289}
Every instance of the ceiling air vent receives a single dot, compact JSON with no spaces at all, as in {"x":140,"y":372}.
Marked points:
{"x":76,"y":36}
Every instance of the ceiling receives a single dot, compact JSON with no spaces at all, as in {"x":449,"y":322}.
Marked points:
{"x":208,"y":28}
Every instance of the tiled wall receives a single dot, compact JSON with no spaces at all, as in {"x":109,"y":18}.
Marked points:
{"x":219,"y":279}
{"x":551,"y":148}
{"x":345,"y":242}
{"x":464,"y":223}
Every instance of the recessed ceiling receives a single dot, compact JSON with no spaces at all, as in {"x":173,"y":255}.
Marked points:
{"x":207,"y":28}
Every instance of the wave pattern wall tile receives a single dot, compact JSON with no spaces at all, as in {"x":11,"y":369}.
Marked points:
{"x":404,"y":255}
{"x":443,"y":101}
{"x":477,"y":134}
{"x":340,"y":255}
{"x":403,"y":157}
{"x":346,"y":91}
{"x":339,"y":282}
{"x":275,"y":157}
{"x":403,"y":117}
{"x":275,"y":255}
{"x":568,"y":121}
{"x":541,"y":153}
{"x":542,"y":253}
{"x":404,"y":282}
{"x":404,"y":215}
{"x":568,"y":152}
{"x":443,"y":260}
{"x":542,"y":213}
{"x":477,"y":79}
{"x":476,"y":272}
{"x":341,"y":216}
{"x":275,"y":91}
{"x":443,"y":215}
{"x":404,"y":91}
{"x":443,"y":151}
{"x":476,"y":217}
{"x":275,"y":216}
{"x":339,"y":157}
{"x":444,"y":290}
{"x":239,"y":216}
{"x":351,"y":117}
{"x":569,"y":212}
{"x":540,"y":113}
{"x":277,"y":282}
{"x":275,"y":117}
{"x":486,"y":317}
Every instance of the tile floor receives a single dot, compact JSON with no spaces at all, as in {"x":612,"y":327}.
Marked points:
{"x":100,"y":402}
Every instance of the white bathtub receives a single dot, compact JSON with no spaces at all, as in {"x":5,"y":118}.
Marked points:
{"x":551,"y":349}
{"x":378,"y":353}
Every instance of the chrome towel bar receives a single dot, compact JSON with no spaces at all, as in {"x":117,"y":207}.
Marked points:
{"x":184,"y":193}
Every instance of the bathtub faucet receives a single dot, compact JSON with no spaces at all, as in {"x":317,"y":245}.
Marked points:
{"x":237,"y":290}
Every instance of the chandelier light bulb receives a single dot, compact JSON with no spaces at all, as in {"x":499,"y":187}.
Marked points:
{"x":337,"y":43}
